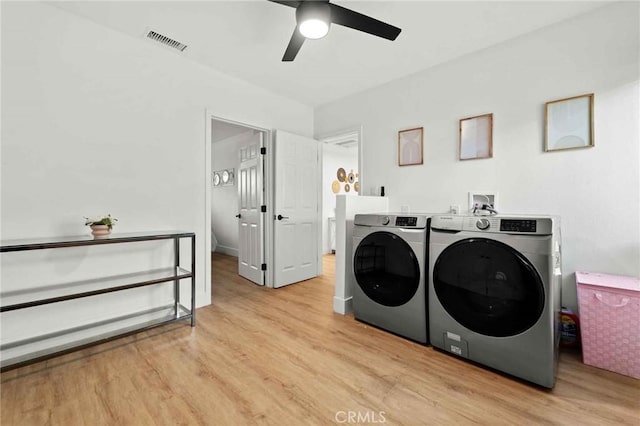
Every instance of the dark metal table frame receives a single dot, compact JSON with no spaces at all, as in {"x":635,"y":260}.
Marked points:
{"x":142,"y":279}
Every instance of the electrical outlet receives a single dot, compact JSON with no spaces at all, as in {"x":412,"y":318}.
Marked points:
{"x":454,"y":209}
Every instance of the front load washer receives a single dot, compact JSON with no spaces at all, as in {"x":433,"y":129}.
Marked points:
{"x":389,"y":258}
{"x":494,"y":292}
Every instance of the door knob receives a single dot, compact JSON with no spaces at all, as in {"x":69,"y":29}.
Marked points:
{"x":238,"y":215}
{"x":280,"y":217}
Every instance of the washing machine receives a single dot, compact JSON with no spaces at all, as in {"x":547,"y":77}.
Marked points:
{"x":389,"y":267}
{"x":495,"y":292}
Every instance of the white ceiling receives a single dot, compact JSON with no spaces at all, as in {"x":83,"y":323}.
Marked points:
{"x":246,"y":39}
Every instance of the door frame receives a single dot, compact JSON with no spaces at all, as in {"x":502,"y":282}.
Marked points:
{"x":267,"y":182}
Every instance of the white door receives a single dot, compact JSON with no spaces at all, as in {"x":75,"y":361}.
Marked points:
{"x":296,"y":212}
{"x":250,"y":217}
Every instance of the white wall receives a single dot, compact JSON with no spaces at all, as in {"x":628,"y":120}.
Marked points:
{"x":596,"y":191}
{"x":334,"y":157}
{"x":224,"y":198}
{"x":94,"y":121}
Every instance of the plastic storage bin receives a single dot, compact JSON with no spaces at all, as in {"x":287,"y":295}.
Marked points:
{"x":609,"y":308}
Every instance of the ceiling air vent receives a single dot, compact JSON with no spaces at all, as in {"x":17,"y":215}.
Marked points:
{"x":166,"y":41}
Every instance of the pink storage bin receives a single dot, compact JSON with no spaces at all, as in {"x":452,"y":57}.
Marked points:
{"x":609,"y":308}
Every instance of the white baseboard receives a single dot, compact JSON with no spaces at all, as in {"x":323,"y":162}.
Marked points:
{"x":230,"y":251}
{"x":342,"y":306}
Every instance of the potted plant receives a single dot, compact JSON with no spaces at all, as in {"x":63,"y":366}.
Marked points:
{"x":101,"y":225}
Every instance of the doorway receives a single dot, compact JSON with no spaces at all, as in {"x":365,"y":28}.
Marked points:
{"x":287,"y":203}
{"x":340,"y":175}
{"x":237,"y":194}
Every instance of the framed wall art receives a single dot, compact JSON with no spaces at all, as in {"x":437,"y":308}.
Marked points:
{"x":410,"y":147}
{"x":568,"y":123}
{"x":476,"y":137}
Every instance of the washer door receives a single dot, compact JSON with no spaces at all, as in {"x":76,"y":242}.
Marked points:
{"x":386,"y":269}
{"x":488,"y":287}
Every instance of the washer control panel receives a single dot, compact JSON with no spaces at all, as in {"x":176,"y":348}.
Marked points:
{"x":494,"y":224}
{"x":518,"y":225}
{"x":483,"y":224}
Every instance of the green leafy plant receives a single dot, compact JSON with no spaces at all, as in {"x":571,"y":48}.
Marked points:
{"x":101,"y":220}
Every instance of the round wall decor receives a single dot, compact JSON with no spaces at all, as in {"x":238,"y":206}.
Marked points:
{"x":351,"y":177}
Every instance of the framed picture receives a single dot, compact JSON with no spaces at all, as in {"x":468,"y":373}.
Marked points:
{"x":476,"y":137}
{"x":410,"y":147}
{"x":568,"y":123}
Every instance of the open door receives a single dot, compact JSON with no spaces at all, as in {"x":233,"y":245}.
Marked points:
{"x":296,"y":212}
{"x":250,"y":216}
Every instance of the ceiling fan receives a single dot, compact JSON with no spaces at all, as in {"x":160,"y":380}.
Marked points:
{"x":313,"y":18}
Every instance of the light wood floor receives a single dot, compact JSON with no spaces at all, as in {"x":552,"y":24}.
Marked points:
{"x":282,"y":357}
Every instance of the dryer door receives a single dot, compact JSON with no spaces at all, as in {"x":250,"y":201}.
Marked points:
{"x":488,"y":287}
{"x":386,"y":269}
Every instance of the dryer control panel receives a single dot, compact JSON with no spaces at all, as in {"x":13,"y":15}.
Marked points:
{"x":406,"y":221}
{"x":389,"y":220}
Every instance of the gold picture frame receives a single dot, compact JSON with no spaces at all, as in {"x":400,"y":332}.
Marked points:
{"x":410,"y":147}
{"x":476,"y":137}
{"x":568,"y":123}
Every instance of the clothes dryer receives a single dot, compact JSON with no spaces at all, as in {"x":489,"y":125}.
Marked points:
{"x":495,"y":292}
{"x":389,"y":265}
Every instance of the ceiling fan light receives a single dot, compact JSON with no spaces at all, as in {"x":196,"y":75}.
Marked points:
{"x":314,"y":28}
{"x":313,"y":18}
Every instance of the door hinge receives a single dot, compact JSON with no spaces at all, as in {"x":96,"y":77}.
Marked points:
{"x":263,"y":150}
{"x":264,"y":267}
{"x":263,"y":209}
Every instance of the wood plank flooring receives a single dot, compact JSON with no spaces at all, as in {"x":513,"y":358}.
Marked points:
{"x":282,"y":357}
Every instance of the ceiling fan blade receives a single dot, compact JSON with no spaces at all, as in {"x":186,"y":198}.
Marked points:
{"x":294,"y":46}
{"x":287,"y":3}
{"x":360,"y":22}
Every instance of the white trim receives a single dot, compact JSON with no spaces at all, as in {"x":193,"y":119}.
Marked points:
{"x":207,"y":204}
{"x":342,"y":306}
{"x":269,"y":200}
{"x":320,"y":206}
{"x":229,"y":251}
{"x":361,"y":160}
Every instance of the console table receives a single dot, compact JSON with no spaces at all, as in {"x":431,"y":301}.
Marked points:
{"x":96,"y":287}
